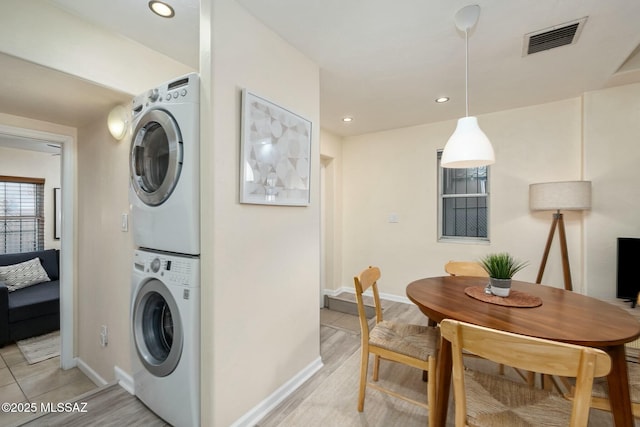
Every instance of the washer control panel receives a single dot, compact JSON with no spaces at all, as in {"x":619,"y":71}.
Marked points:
{"x":172,"y":269}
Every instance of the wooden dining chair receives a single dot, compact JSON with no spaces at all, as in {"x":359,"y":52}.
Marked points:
{"x":475,"y":269}
{"x":465,"y":268}
{"x":600,"y":394}
{"x":485,"y":400}
{"x":412,"y":345}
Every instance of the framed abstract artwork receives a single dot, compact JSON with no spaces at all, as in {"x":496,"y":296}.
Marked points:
{"x":275,"y":155}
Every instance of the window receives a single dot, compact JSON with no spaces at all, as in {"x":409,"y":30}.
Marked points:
{"x":21,"y":214}
{"x":463,"y":203}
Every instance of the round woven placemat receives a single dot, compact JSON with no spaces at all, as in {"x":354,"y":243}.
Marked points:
{"x":515,"y":298}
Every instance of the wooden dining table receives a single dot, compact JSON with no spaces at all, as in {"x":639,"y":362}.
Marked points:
{"x":563,"y":316}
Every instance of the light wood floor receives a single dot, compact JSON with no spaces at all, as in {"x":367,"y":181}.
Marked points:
{"x":44,"y":383}
{"x":340,"y":343}
{"x":40,"y":382}
{"x":330,"y":396}
{"x":110,"y":406}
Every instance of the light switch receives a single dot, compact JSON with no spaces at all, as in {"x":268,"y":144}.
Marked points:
{"x":124,"y":226}
{"x":393,"y":218}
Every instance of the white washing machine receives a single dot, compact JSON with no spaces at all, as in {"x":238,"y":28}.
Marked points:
{"x":164,"y":189}
{"x":165,"y":320}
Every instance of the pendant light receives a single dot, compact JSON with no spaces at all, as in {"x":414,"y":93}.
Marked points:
{"x":468,"y":147}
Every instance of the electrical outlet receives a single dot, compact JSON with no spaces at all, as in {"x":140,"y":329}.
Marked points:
{"x":104,"y":336}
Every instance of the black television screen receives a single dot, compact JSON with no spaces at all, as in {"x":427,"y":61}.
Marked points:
{"x":628,"y":280}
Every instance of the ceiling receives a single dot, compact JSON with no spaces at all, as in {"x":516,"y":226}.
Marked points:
{"x":384,"y":62}
{"x":38,"y":92}
{"x":381,"y":62}
{"x":30,"y":90}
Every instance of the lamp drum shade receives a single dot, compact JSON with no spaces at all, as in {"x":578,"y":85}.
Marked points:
{"x":564,"y":195}
{"x":468,"y":147}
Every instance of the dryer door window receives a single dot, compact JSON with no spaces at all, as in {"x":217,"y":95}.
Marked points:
{"x":156,"y":157}
{"x":157,"y":329}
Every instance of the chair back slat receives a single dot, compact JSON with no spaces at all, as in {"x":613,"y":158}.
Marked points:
{"x":367,"y":278}
{"x":465,"y":268}
{"x":532,"y":354}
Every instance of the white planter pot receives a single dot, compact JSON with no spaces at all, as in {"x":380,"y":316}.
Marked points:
{"x":500,"y":287}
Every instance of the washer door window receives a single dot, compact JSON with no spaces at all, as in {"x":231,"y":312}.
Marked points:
{"x":157,"y":329}
{"x":156,"y":157}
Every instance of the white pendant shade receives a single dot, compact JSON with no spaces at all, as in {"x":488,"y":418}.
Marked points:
{"x":468,"y":147}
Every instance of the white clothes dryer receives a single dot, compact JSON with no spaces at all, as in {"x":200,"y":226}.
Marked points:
{"x":164,"y":167}
{"x":165,"y":322}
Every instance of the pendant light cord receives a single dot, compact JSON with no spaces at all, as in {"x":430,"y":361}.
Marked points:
{"x":466,"y":69}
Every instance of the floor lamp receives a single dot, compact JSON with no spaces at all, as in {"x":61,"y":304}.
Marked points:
{"x":557,"y":196}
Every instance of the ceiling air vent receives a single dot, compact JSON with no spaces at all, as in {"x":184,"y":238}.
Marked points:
{"x":550,"y":38}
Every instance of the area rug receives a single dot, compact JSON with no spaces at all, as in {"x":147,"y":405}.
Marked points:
{"x":40,"y":348}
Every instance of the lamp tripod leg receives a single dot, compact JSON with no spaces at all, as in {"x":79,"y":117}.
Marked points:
{"x":547,"y":248}
{"x":566,"y":271}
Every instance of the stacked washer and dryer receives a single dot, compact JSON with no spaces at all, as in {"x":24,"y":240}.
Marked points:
{"x":164,"y":193}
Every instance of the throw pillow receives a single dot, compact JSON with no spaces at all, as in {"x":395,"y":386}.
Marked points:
{"x":25,"y":274}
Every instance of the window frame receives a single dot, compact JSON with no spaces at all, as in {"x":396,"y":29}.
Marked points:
{"x":441,"y":197}
{"x":39,"y":217}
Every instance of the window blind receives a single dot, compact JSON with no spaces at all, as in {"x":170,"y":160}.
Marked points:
{"x":21,"y":214}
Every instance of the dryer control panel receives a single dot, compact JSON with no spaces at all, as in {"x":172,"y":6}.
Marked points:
{"x":182,"y":90}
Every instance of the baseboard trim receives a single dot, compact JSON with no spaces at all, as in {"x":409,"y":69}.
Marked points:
{"x":388,"y":297}
{"x":263,"y":408}
{"x":333,"y":292}
{"x":124,"y":380}
{"x":89,"y":372}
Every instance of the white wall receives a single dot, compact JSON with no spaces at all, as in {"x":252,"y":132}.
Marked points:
{"x":34,"y":164}
{"x":104,"y":252}
{"x":612,"y":155}
{"x":396,"y":172}
{"x":260,"y":264}
{"x":594,"y":137}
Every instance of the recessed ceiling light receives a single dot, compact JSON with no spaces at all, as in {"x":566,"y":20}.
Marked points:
{"x":442,"y":99}
{"x":161,"y":9}
{"x":347,"y":119}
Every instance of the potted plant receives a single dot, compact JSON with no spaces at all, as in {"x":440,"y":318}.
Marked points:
{"x":501,"y":267}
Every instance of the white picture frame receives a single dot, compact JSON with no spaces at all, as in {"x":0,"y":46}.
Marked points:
{"x":275,"y":158}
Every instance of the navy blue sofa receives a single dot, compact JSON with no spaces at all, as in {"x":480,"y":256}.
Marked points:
{"x":34,"y":310}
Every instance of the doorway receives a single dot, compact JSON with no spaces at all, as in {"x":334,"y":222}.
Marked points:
{"x":327,"y":227}
{"x":67,"y":237}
